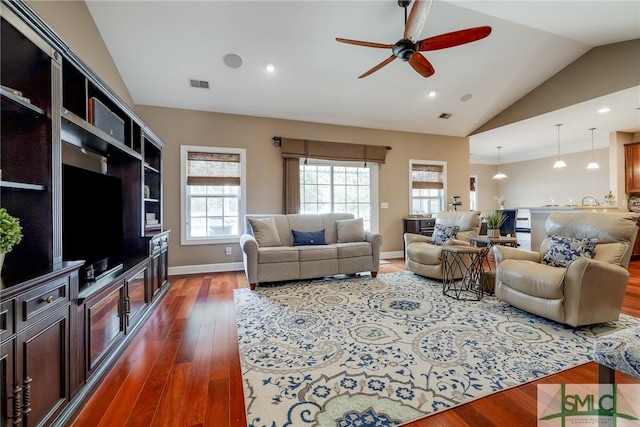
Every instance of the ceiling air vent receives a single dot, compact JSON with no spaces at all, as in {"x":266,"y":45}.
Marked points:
{"x":199,"y":84}
{"x":445,"y":116}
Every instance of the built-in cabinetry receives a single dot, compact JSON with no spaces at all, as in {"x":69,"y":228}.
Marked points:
{"x":632,"y":168}
{"x":80,"y":283}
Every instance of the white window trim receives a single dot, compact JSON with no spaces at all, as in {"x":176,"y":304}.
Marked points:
{"x":374,"y":170}
{"x":444,"y":178}
{"x":184,"y":149}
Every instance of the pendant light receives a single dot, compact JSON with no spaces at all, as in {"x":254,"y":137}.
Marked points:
{"x":499,"y":175}
{"x":559,"y":163}
{"x":593,"y":164}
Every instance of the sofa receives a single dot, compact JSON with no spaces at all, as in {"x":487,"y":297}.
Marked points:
{"x":578,"y":276}
{"x":281,"y":247}
{"x":425,"y":258}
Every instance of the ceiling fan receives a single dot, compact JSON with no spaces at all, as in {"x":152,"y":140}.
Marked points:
{"x":408,"y":48}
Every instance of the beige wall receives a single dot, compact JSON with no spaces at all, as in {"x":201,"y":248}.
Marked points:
{"x":72,"y":21}
{"x":264,"y":174}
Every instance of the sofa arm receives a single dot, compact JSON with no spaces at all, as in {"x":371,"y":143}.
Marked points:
{"x":411,"y":238}
{"x":593,"y":291}
{"x":501,"y":253}
{"x":376,"y":242}
{"x":249,"y":247}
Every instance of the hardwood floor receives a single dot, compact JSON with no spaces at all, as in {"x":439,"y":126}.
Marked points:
{"x":183,"y":368}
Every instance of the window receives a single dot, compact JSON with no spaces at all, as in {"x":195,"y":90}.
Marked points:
{"x":427,"y":184}
{"x":213,"y":194}
{"x":331,"y":186}
{"x":473,"y":193}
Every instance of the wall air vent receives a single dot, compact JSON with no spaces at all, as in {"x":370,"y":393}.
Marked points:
{"x":445,"y":116}
{"x":201,"y":84}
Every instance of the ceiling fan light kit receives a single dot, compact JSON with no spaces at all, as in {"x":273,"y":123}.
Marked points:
{"x":559,"y":163}
{"x":409,"y":47}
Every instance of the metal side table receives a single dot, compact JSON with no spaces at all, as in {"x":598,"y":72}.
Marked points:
{"x":463,"y":268}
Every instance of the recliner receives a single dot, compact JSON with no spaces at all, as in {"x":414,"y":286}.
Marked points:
{"x":425,"y":258}
{"x":587,"y":290}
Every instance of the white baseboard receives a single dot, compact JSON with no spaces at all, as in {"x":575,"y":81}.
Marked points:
{"x":206,"y":268}
{"x":238,"y":266}
{"x":389,"y":255}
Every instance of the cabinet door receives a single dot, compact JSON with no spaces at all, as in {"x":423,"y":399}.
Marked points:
{"x":632,"y":168}
{"x":10,"y":407}
{"x":42,"y":368}
{"x":136,"y":298}
{"x":103,"y":314}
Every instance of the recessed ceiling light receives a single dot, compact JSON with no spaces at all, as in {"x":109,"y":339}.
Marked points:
{"x":604,"y":110}
{"x":232,"y":60}
{"x":270,"y":68}
{"x":432,"y":94}
{"x":466,"y":97}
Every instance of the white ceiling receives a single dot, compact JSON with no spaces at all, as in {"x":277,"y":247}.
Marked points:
{"x":159,"y":45}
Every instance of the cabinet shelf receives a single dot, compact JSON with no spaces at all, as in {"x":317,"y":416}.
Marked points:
{"x":149,"y":168}
{"x":152,"y":200}
{"x":22,"y":186}
{"x":83,"y":134}
{"x":14,"y":103}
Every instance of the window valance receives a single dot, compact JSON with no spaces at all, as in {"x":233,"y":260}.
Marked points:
{"x":213,"y":168}
{"x":427,"y":176}
{"x":326,"y":150}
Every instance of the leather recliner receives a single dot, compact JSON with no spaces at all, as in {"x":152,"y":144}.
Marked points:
{"x":587,"y":290}
{"x":425,"y":258}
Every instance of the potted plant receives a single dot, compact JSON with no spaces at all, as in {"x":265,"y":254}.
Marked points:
{"x":610,"y":198}
{"x":494,"y":220}
{"x":10,"y":233}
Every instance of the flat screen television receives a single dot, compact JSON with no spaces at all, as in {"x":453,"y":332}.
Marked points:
{"x":91,"y":221}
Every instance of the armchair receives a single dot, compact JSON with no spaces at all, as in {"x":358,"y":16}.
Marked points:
{"x":586,"y":290}
{"x":425,"y":258}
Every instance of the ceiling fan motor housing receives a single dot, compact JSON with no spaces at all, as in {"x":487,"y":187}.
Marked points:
{"x":404,"y":49}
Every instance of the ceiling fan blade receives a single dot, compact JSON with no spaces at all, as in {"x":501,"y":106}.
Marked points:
{"x":454,"y":38}
{"x":417,"y":18}
{"x":421,"y":65}
{"x":377,"y":67}
{"x":366,"y":44}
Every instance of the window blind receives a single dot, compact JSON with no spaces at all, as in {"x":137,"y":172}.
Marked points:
{"x":426,"y":176}
{"x":213,"y":168}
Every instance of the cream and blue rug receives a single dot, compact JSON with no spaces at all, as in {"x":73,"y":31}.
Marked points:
{"x":385,"y":351}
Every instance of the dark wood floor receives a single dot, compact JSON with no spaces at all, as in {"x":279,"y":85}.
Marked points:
{"x":183,"y":368}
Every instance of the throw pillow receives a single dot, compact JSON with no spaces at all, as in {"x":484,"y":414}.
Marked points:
{"x":304,"y":238}
{"x":350,"y":230}
{"x":444,"y":234}
{"x":265,"y":231}
{"x":563,"y":250}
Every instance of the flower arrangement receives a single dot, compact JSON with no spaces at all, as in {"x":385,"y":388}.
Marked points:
{"x":10,"y":231}
{"x":500,"y":200}
{"x":610,"y":198}
{"x":494,"y":219}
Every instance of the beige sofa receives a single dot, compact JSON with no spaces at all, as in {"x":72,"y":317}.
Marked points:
{"x":586,"y":290}
{"x":348,"y":249}
{"x":425,"y":258}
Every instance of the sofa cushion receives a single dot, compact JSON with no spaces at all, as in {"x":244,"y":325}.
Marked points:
{"x":265,"y":231}
{"x":444,"y":234}
{"x":302,"y":238}
{"x":277,"y":254}
{"x":354,"y":249}
{"x":532,"y":278}
{"x":562,"y":250}
{"x":424,"y":253}
{"x":317,"y":253}
{"x":350,"y":230}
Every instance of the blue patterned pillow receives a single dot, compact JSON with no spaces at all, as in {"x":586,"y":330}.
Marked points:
{"x":563,"y":250}
{"x":305,"y":238}
{"x":444,"y":234}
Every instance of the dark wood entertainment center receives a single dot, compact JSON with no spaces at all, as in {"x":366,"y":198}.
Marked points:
{"x":65,"y":319}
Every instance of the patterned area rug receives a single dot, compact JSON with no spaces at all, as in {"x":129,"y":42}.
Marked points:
{"x":385,"y":351}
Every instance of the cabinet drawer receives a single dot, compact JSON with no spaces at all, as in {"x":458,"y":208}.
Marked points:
{"x":158,"y":244}
{"x":6,"y":320}
{"x":42,"y":301}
